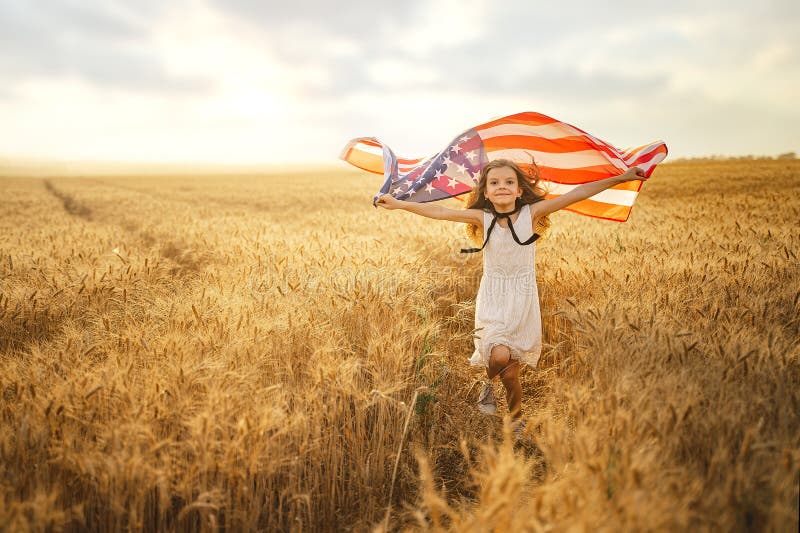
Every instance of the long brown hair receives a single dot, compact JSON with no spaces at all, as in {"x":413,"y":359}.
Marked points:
{"x":532,"y":192}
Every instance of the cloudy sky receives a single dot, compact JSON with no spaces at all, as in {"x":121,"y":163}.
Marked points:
{"x":246,"y":81}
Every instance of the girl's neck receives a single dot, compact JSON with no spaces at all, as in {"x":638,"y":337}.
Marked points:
{"x":504,"y":208}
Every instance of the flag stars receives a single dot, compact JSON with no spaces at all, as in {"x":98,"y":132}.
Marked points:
{"x":443,"y":175}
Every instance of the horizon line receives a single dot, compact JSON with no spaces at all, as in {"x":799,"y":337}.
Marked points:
{"x":41,"y":166}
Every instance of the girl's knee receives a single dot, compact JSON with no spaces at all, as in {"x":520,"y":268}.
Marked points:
{"x":500,"y":355}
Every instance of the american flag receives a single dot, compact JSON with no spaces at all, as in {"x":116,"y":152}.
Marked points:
{"x":566,"y":156}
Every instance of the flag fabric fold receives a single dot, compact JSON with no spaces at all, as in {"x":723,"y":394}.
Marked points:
{"x":565,"y":155}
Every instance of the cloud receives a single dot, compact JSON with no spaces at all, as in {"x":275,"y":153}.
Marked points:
{"x":576,"y":50}
{"x":105,"y":43}
{"x":363,"y":45}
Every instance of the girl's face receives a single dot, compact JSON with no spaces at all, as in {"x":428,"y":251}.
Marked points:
{"x":502,"y":187}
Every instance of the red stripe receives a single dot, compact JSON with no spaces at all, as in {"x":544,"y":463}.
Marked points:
{"x":365,"y":160}
{"x":562,"y":145}
{"x":529,"y":118}
{"x":592,"y":208}
{"x":601,"y":217}
{"x":633,"y":185}
{"x":540,"y":144}
{"x":576,"y":176}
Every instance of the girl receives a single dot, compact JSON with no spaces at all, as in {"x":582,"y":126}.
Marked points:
{"x":507,"y":318}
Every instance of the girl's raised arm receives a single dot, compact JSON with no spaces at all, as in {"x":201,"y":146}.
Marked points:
{"x":582,"y":192}
{"x":438,"y":212}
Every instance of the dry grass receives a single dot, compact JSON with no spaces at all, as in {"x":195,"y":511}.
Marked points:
{"x":241,"y":352}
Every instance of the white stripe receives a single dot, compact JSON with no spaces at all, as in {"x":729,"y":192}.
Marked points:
{"x":608,"y":196}
{"x":548,"y":131}
{"x":568,"y":160}
{"x":368,"y":148}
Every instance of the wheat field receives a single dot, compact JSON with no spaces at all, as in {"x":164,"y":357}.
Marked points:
{"x":270,"y":352}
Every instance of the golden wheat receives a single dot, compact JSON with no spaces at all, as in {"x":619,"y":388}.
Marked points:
{"x":241,"y":352}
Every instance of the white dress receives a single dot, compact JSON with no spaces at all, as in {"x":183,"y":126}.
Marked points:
{"x":507,"y":305}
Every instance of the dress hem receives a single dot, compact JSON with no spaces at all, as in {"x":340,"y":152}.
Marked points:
{"x":527,"y":357}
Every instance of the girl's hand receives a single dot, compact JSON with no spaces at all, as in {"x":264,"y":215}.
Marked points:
{"x":387,"y":201}
{"x":633,"y":173}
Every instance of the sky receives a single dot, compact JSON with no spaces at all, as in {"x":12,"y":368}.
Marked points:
{"x":268,"y":82}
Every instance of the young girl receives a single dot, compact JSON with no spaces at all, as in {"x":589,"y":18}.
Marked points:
{"x":505,"y":207}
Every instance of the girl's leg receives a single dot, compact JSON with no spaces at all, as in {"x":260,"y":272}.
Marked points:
{"x":500,"y":363}
{"x":510,"y":379}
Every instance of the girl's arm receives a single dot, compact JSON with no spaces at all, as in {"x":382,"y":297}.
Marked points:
{"x":582,"y":192}
{"x":438,"y":212}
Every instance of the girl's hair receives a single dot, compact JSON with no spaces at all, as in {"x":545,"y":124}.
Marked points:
{"x":532,"y":192}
